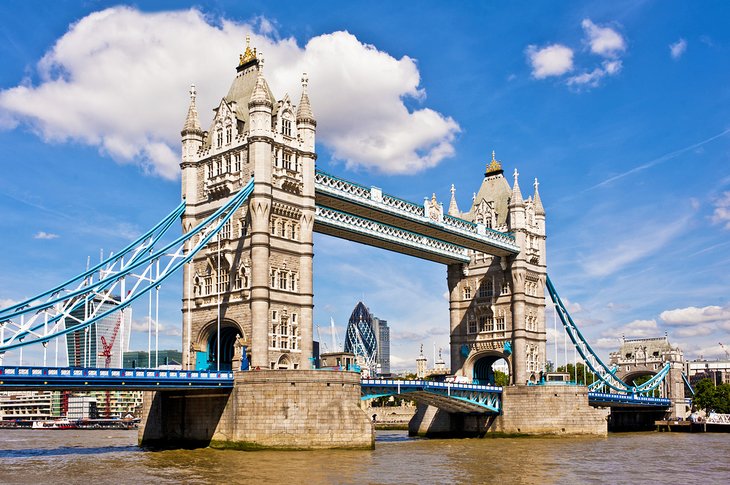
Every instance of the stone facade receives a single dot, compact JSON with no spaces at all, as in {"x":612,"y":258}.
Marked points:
{"x":266,"y":409}
{"x":639,"y":357}
{"x":255,"y":278}
{"x":497,"y":304}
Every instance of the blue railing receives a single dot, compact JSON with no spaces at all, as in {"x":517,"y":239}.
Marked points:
{"x":618,"y":398}
{"x":92,"y":378}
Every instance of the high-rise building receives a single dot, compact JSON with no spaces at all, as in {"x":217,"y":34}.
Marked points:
{"x":382,"y":336}
{"x":100,"y":344}
{"x":163,"y":358}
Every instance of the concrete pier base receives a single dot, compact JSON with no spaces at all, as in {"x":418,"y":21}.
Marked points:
{"x":529,"y":410}
{"x":296,"y":409}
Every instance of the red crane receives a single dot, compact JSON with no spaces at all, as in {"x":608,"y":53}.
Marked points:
{"x":107,"y":347}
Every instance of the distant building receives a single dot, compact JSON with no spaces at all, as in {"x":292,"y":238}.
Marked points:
{"x":168,"y":359}
{"x":716,"y":370}
{"x":368,"y":337}
{"x":100,"y":344}
{"x":338,"y":360}
{"x":382,"y":336}
{"x":421,"y":363}
{"x":26,"y":405}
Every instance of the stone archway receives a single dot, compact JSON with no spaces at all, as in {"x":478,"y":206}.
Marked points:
{"x":479,"y":367}
{"x":208,"y":347}
{"x":284,"y":363}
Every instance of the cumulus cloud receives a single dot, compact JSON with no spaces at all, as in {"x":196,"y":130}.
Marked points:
{"x":721,"y":214}
{"x":678,"y":48}
{"x":603,"y":41}
{"x":557,"y":59}
{"x":694,"y":315}
{"x":637,"y":328}
{"x":553,"y":60}
{"x":118,"y":80}
{"x":45,"y":235}
{"x":145,"y":325}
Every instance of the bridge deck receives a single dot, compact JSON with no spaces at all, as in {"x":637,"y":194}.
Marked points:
{"x":61,"y":378}
{"x":602,"y":399}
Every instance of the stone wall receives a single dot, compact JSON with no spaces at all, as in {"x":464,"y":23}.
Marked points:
{"x":549,"y":410}
{"x":529,"y":410}
{"x":266,"y":409}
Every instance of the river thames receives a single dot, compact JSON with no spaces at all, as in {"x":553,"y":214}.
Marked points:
{"x":104,"y":456}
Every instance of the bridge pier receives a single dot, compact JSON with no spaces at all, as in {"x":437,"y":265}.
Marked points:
{"x":302,"y":409}
{"x":529,"y":410}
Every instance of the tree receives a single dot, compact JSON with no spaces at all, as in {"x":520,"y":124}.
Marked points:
{"x":500,"y":378}
{"x":590,"y":378}
{"x":704,"y":394}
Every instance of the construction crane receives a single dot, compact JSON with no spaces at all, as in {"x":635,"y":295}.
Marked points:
{"x":727,"y":354}
{"x":107,"y":347}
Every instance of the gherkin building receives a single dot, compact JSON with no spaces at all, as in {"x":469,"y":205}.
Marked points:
{"x":360,"y":338}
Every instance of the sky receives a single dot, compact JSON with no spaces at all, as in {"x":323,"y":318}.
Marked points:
{"x":620,"y":110}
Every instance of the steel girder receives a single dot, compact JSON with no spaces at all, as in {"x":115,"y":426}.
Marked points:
{"x":451,"y":397}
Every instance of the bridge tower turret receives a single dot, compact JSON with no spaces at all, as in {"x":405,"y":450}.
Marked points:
{"x":497,"y":307}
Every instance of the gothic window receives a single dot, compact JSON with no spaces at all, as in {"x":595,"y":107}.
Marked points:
{"x":273,"y":226}
{"x":286,"y":127}
{"x":486,"y":289}
{"x":500,"y":323}
{"x":219,"y":137}
{"x":226,"y":230}
{"x":237,"y":162}
{"x":505,"y":288}
{"x":282,"y":280}
{"x":467,"y":292}
{"x":292,"y":282}
{"x":283,"y":229}
{"x":471,"y":324}
{"x":208,"y":170}
{"x":222,"y":280}
{"x":229,"y":134}
{"x":273,"y":278}
{"x":208,"y":283}
{"x":218,"y":167}
{"x":287,"y":161}
{"x":237,"y":280}
{"x":294,"y":230}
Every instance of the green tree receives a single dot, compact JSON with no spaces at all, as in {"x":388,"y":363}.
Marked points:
{"x":590,"y":378}
{"x":704,"y":394}
{"x":500,"y":378}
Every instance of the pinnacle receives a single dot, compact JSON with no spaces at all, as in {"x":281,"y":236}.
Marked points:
{"x":304,"y":110}
{"x":192,"y":124}
{"x":516,"y":194}
{"x":453,"y":208}
{"x":539,"y":209}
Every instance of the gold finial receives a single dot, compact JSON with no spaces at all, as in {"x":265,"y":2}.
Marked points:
{"x":248,"y":54}
{"x":494,"y":166}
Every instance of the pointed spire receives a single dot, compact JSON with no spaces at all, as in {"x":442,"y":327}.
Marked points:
{"x":304,"y":110}
{"x":494,"y":167}
{"x":192,"y":124}
{"x":516,"y":194}
{"x":453,"y":208}
{"x":260,"y":94}
{"x":539,"y":209}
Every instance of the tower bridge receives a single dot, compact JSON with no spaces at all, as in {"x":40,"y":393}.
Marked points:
{"x":252,"y":199}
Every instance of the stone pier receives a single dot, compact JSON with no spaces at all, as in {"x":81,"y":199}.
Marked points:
{"x":266,"y":409}
{"x":529,"y":410}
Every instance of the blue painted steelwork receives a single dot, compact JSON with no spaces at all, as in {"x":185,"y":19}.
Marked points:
{"x":458,"y":397}
{"x":596,"y":365}
{"x":153,"y":266}
{"x":351,"y":192}
{"x":599,"y":398}
{"x":39,"y":378}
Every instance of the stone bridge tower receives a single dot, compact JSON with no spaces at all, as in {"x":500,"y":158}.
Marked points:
{"x":639,"y":357}
{"x":254,"y":281}
{"x":497,"y":304}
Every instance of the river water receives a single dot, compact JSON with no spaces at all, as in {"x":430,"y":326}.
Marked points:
{"x":110,"y":456}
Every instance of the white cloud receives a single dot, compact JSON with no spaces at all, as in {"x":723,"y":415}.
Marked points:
{"x":637,"y":328}
{"x":553,"y":60}
{"x":678,"y":48}
{"x":721,"y":214}
{"x":593,"y":78}
{"x":143,"y":326}
{"x":118,"y":80}
{"x":607,"y":343}
{"x":603,"y":41}
{"x":45,"y":235}
{"x":694,"y":315}
{"x":7,"y":302}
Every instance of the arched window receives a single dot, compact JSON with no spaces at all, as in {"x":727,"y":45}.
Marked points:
{"x":219,"y":137}
{"x":229,"y":135}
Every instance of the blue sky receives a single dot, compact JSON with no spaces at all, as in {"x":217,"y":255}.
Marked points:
{"x":620,"y":110}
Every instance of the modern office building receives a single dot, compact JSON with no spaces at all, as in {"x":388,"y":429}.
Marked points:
{"x":368,"y":337}
{"x":382,"y":336}
{"x":166,"y":359}
{"x":101,"y":344}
